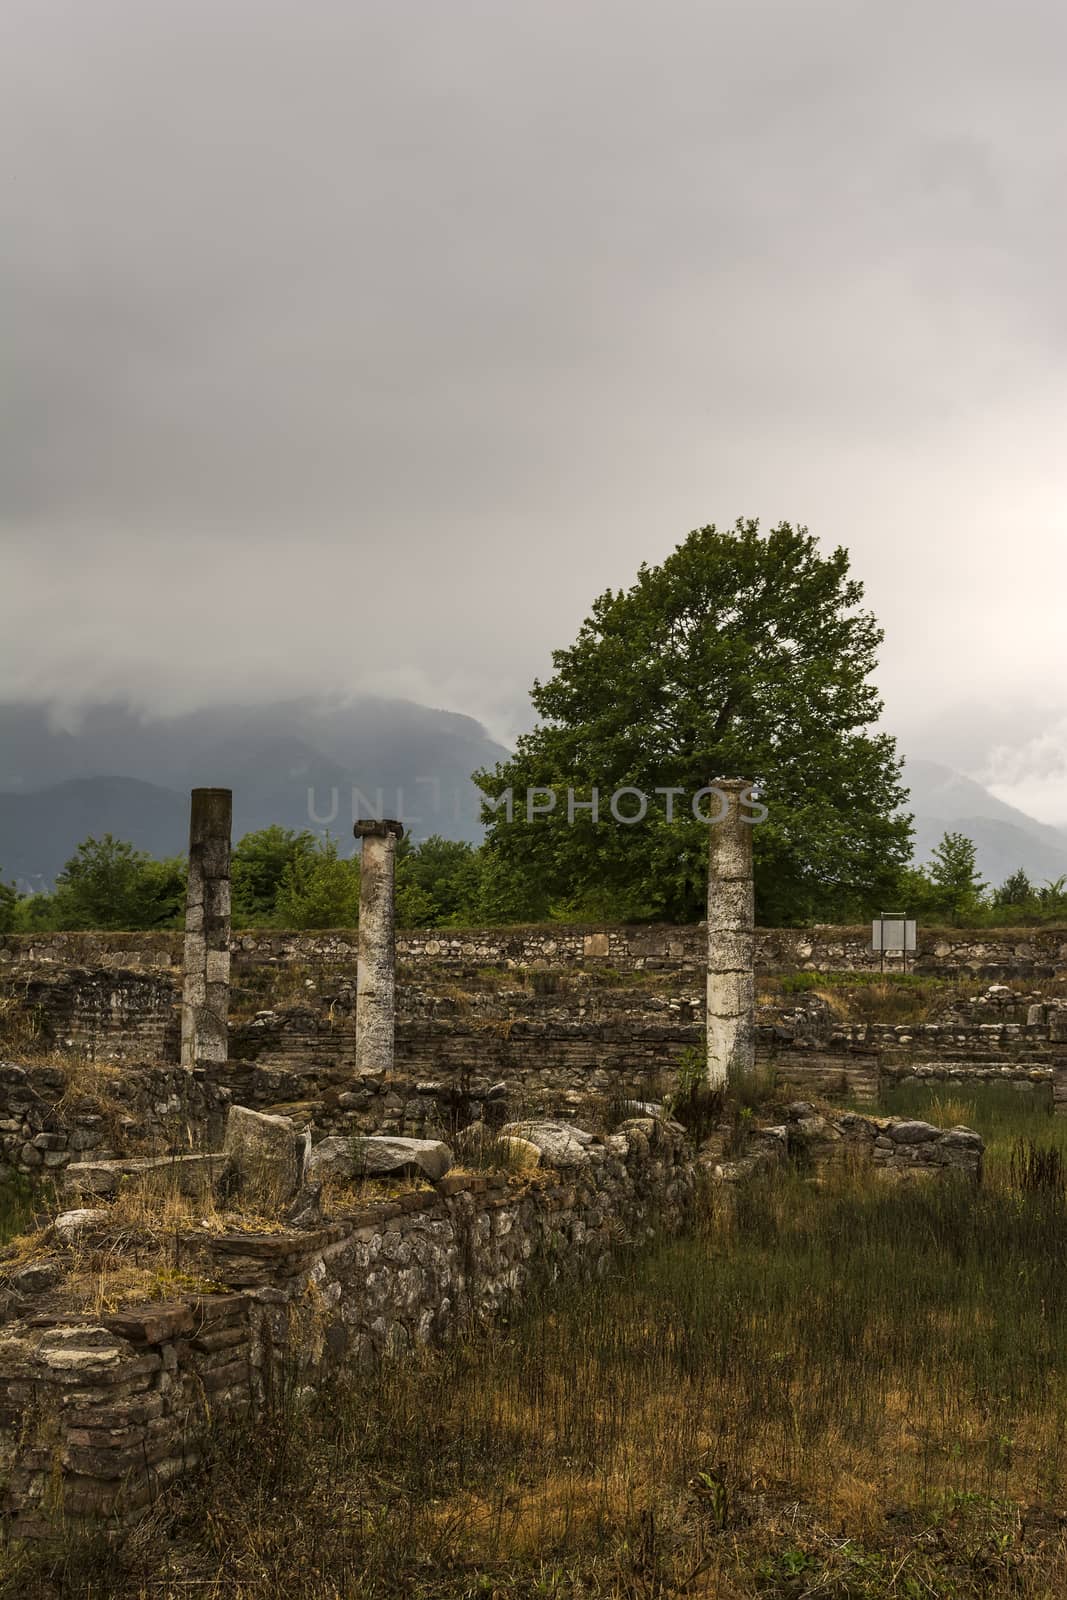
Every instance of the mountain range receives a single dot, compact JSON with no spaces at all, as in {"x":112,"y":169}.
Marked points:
{"x":943,"y":800}
{"x":306,"y":763}
{"x":299,"y":763}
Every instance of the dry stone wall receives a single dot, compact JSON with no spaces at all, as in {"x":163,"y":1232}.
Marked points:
{"x":551,"y":1051}
{"x":50,"y":1116}
{"x":98,"y":1412}
{"x":990,"y":953}
{"x":896,"y":1148}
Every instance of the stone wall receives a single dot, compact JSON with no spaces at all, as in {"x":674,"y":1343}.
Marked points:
{"x":51,"y":1115}
{"x":551,"y":1051}
{"x":961,"y":1074}
{"x":114,"y":1013}
{"x":991,"y":953}
{"x":896,"y":1148}
{"x":118,"y":1014}
{"x":97,"y":1412}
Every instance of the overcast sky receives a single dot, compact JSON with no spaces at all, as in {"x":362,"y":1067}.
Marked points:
{"x":359,"y":345}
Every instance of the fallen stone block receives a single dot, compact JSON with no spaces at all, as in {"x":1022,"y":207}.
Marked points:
{"x":333,"y":1157}
{"x":912,"y":1132}
{"x":265,"y":1157}
{"x":485,"y":1146}
{"x":191,"y":1175}
{"x":380,"y":1156}
{"x":560,"y":1145}
{"x":71,"y":1225}
{"x":35,"y":1277}
{"x":377,"y":1156}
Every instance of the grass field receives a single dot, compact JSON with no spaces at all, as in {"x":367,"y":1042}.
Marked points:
{"x":838,"y":1390}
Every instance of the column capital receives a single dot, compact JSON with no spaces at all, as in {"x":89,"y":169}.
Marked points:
{"x":378,"y":828}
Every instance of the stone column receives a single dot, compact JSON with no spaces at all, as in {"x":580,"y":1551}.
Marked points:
{"x":731,"y":937}
{"x":206,"y":987}
{"x":376,"y":970}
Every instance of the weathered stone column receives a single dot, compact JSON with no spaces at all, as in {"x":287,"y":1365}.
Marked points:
{"x":206,"y":987}
{"x":731,"y":938}
{"x":376,"y":971}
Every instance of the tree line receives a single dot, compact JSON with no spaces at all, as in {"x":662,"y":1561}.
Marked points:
{"x":288,"y":879}
{"x":281,"y":877}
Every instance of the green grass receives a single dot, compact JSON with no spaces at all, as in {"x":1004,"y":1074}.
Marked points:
{"x":1004,"y":1116}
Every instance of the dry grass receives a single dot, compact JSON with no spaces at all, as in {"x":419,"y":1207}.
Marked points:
{"x":85,"y":1078}
{"x":835,"y":1391}
{"x":270,"y":988}
{"x":894,"y":997}
{"x":131,"y":1253}
{"x":801,"y":1402}
{"x":21,"y":1029}
{"x":817,"y":1396}
{"x":950,"y":1111}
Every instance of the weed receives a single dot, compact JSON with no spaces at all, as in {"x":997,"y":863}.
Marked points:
{"x":696,"y":1104}
{"x":1035,"y":1168}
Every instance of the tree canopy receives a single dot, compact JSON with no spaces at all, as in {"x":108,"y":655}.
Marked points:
{"x":744,"y":654}
{"x":259,"y":864}
{"x":107,"y":883}
{"x":438,"y":881}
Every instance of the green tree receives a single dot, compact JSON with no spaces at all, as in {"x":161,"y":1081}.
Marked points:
{"x":109,"y":884}
{"x":957,"y":890}
{"x":438,"y":883}
{"x":36,"y":913}
{"x":744,"y":654}
{"x":1016,"y":890}
{"x":259,"y":865}
{"x":319,"y":890}
{"x":1052,"y":899}
{"x":9,"y":899}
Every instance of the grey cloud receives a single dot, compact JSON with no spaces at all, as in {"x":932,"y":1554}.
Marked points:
{"x":414,"y":326}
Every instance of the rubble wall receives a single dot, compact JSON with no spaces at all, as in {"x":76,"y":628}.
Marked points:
{"x":98,"y":1412}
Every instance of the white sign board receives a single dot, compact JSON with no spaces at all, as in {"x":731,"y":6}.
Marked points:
{"x":892,"y":933}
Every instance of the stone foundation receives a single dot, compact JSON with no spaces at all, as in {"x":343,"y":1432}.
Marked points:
{"x":51,"y":1115}
{"x":552,"y":1044}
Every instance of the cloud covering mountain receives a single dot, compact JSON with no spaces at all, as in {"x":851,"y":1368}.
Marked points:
{"x":297,"y":762}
